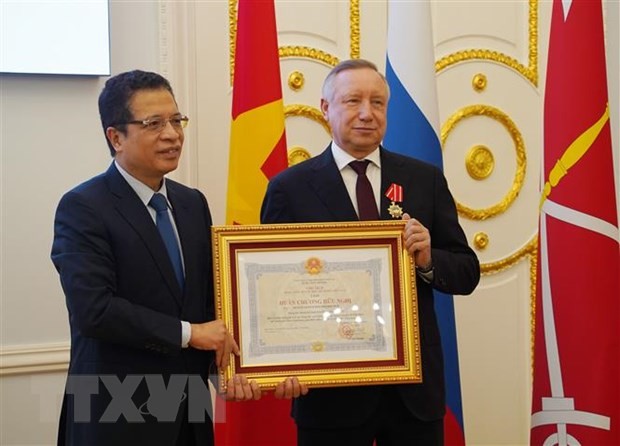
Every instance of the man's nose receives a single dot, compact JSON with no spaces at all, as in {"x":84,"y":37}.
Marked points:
{"x":365,"y":110}
{"x":169,"y":131}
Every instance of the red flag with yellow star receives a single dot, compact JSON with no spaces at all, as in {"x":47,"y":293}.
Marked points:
{"x":257,"y":137}
{"x":257,"y":153}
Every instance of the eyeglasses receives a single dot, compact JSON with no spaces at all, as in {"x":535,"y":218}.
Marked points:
{"x":157,"y":124}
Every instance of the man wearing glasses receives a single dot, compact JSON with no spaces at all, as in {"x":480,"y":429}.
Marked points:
{"x":133,"y":252}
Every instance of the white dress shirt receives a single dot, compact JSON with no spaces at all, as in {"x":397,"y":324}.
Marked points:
{"x":145,"y":193}
{"x":349,"y":176}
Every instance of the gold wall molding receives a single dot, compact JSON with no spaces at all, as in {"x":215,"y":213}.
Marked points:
{"x":354,"y":27}
{"x":530,"y":72}
{"x":501,"y":117}
{"x":232,"y":36}
{"x":22,"y":360}
{"x":306,"y":52}
{"x":297,"y":154}
{"x":307,"y":111}
{"x":301,"y":51}
{"x":533,"y":278}
{"x":529,"y":251}
{"x":283,"y":51}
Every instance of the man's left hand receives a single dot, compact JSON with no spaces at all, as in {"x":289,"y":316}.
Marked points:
{"x":290,"y":388}
{"x":417,"y":241}
{"x":240,"y":389}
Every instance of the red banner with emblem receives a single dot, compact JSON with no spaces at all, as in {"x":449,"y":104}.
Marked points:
{"x":576,"y":389}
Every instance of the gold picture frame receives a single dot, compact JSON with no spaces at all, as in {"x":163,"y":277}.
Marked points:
{"x":334,"y":304}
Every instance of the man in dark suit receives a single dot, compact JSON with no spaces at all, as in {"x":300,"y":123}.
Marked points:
{"x":143,"y":332}
{"x":327,"y":189}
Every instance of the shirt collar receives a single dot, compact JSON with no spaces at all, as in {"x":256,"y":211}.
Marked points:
{"x":343,"y":159}
{"x":142,"y":190}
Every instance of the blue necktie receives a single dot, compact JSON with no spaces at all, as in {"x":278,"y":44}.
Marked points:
{"x":366,"y":204}
{"x":159,"y":203}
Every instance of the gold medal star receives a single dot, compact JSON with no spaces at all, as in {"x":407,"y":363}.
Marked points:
{"x":395,"y":210}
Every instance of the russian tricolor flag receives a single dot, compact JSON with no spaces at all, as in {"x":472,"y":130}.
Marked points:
{"x":413,"y":126}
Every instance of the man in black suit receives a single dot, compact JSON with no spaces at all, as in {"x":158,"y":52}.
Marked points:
{"x":325,"y":189}
{"x":143,"y":332}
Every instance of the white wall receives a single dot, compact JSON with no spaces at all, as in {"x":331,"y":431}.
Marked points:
{"x":611,"y":9}
{"x":51,"y":140}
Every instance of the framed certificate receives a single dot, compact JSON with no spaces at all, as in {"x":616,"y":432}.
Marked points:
{"x":334,"y":304}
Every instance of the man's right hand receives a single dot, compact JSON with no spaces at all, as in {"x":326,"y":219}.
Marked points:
{"x":214,"y":336}
{"x":290,"y":388}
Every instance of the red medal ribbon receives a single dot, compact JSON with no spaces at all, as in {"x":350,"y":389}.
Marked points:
{"x":395,"y":193}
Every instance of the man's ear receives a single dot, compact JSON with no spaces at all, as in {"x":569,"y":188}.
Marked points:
{"x":324,"y":107}
{"x":115,"y":137}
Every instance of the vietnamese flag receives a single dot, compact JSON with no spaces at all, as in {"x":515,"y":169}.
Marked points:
{"x":257,"y":153}
{"x":257,"y":137}
{"x":576,"y":389}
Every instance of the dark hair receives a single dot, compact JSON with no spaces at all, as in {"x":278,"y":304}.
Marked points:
{"x":118,"y":91}
{"x":345,"y":65}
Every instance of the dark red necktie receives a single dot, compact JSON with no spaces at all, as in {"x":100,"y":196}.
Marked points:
{"x":366,"y":204}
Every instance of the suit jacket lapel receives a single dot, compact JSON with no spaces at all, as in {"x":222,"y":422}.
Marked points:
{"x":131,"y":208}
{"x":329,"y":187}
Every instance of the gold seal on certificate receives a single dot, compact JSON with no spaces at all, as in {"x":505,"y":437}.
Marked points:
{"x":317,"y":346}
{"x":314,"y":265}
{"x":333,"y":304}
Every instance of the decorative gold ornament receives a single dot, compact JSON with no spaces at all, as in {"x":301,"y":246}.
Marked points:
{"x":307,"y":112}
{"x":481,"y":240}
{"x":308,"y":53}
{"x":479,"y":162}
{"x":502,"y":118}
{"x":296,"y":80}
{"x":533,"y":279}
{"x":529,"y":250}
{"x":232,"y":36}
{"x":395,"y":210}
{"x":354,"y":28}
{"x":479,"y":82}
{"x":530,"y":72}
{"x":297,"y":154}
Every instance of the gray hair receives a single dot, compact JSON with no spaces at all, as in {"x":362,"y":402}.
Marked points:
{"x":345,"y":65}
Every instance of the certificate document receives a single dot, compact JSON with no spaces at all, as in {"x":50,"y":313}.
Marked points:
{"x":316,"y":305}
{"x":334,"y":304}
